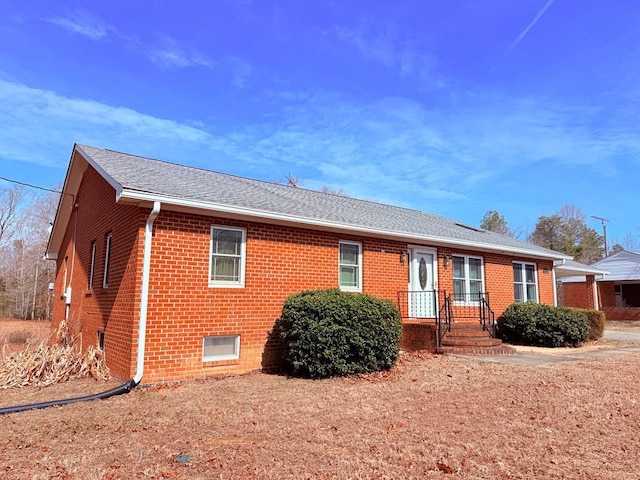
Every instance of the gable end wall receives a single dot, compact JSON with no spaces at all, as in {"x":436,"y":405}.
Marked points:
{"x":113,"y":310}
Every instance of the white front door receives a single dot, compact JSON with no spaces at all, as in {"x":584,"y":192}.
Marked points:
{"x":422,"y":284}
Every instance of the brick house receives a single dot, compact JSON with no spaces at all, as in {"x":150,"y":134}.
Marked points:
{"x":615,"y":282}
{"x":180,"y":273}
{"x":576,"y":285}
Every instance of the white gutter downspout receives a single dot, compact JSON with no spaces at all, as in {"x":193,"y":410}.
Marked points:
{"x":144,"y":293}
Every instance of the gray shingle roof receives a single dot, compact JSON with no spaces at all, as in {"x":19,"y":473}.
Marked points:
{"x":156,"y":178}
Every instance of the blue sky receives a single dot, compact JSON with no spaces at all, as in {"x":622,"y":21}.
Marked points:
{"x":452,"y":107}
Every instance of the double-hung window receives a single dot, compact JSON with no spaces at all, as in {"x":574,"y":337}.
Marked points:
{"x":350,"y":266}
{"x":228,"y":256}
{"x":468,"y":279}
{"x":525,"y":282}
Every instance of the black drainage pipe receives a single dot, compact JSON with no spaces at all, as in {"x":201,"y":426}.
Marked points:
{"x":119,"y":390}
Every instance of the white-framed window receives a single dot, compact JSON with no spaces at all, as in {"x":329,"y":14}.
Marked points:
{"x":525,"y":282}
{"x":468,"y":278}
{"x":92,"y":268}
{"x":223,"y":347}
{"x":107,"y":260}
{"x":350,"y":266}
{"x":228,"y":256}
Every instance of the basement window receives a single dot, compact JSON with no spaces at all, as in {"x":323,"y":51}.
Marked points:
{"x":101,"y":340}
{"x":226,"y":347}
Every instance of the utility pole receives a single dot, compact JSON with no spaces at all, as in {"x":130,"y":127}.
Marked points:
{"x":604,"y":231}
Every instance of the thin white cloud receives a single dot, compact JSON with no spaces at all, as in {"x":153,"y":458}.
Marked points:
{"x":378,"y":48}
{"x":524,"y":33}
{"x":36,"y":123}
{"x":164,"y":52}
{"x":393,"y":51}
{"x":83,"y":23}
{"x":393,"y":150}
{"x":173,"y":55}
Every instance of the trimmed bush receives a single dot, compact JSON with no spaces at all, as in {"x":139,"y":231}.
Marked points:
{"x":328,"y":333}
{"x":597,"y":321}
{"x":542,"y":325}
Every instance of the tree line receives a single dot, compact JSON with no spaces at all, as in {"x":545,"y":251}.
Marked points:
{"x":25,"y":275}
{"x":565,"y":231}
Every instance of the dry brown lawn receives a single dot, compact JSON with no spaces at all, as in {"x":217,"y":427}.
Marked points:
{"x":14,"y":334}
{"x":624,"y":326}
{"x":430,"y":417}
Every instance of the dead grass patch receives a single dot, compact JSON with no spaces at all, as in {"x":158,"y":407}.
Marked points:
{"x":56,"y":359}
{"x":623,"y":326}
{"x":600,"y":344}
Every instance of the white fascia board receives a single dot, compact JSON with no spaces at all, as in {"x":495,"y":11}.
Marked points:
{"x":116,"y":186}
{"x":441,"y":241}
{"x":581,"y":271}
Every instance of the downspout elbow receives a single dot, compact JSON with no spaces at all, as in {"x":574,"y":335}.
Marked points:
{"x":144,"y":294}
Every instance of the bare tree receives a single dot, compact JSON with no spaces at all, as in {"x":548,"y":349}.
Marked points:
{"x":333,"y":191}
{"x":10,"y":200}
{"x":293,"y":180}
{"x":630,"y":243}
{"x":24,"y":273}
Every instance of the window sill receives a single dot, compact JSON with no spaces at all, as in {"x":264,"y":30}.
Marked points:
{"x":220,"y":363}
{"x":226,"y":285}
{"x":351,"y":289}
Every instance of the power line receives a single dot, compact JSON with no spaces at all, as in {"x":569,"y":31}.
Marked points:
{"x":29,"y":185}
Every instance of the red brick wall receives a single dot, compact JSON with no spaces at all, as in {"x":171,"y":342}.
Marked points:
{"x":280,"y":261}
{"x":606,"y":294}
{"x":622,"y":313}
{"x":579,"y":294}
{"x":498,"y":276}
{"x":419,"y":336}
{"x":182,"y":308}
{"x":109,"y":309}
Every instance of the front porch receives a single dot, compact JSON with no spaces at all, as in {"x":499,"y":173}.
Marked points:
{"x":442,"y":322}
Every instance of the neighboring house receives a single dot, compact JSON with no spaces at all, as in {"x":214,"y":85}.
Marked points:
{"x":180,"y":273}
{"x":618,"y":289}
{"x":577,"y":284}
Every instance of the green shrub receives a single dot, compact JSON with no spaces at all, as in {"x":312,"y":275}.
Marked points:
{"x":328,"y":333}
{"x":597,"y":321}
{"x":542,"y":325}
